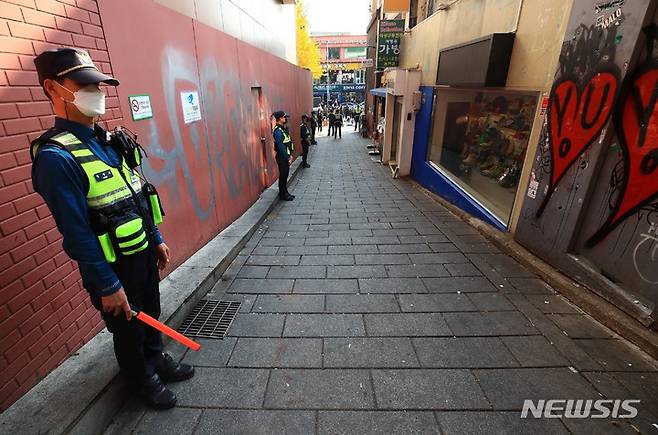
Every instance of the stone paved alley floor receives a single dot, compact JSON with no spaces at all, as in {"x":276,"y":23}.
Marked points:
{"x":369,"y":308}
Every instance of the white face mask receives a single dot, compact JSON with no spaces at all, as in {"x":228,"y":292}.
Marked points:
{"x":89,"y":100}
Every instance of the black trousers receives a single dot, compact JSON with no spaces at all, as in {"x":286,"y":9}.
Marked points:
{"x":137,"y":346}
{"x":337,"y":131}
{"x":305,"y":146}
{"x":313,"y":134}
{"x":282,"y":163}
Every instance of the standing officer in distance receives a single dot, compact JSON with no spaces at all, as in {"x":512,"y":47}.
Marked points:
{"x":306,"y":139}
{"x":332,"y":121}
{"x":283,"y":148}
{"x":357,"y":117}
{"x":99,"y":206}
{"x":338,"y":123}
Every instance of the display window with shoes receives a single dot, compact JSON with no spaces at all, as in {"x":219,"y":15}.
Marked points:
{"x":479,"y":139}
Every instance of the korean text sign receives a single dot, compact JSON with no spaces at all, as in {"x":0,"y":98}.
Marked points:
{"x":388,"y":49}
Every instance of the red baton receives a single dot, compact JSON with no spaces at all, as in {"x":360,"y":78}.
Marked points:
{"x":166,"y":330}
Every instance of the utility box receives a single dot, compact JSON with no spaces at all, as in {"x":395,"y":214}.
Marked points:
{"x":401,"y":105}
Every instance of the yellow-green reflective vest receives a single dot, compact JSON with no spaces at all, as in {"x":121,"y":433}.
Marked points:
{"x":287,"y":140}
{"x":109,"y":195}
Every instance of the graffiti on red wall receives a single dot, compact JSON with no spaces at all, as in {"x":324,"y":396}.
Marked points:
{"x":581,"y":100}
{"x":220,"y":144}
{"x":636,"y":123}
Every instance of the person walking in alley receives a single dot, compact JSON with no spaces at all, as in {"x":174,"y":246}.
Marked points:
{"x":338,"y":123}
{"x":306,"y":136}
{"x":332,"y":120}
{"x":89,"y":181}
{"x":313,"y":125}
{"x":283,"y":148}
{"x":319,"y":118}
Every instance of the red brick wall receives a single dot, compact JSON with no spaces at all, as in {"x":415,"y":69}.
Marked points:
{"x":45,"y":314}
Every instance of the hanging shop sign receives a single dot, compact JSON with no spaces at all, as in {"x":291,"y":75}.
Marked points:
{"x":388,"y":48}
{"x":396,"y":5}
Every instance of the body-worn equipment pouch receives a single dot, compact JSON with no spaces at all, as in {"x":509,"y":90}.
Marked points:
{"x":100,"y":226}
{"x":130,"y":236}
{"x":155,"y":205}
{"x":107,"y":248}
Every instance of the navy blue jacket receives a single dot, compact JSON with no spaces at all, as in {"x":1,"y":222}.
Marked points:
{"x":279,"y":146}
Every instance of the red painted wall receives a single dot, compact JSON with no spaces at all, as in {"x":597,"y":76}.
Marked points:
{"x":44,"y":312}
{"x":208,"y":172}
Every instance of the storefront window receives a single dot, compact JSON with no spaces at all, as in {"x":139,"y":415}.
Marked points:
{"x":479,"y":139}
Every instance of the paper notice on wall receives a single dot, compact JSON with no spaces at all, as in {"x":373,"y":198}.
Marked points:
{"x":533,"y":186}
{"x":191,"y":106}
{"x":532,"y":189}
{"x":544,"y":103}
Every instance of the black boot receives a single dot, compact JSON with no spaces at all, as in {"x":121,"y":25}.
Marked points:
{"x":156,"y":395}
{"x":171,"y":371}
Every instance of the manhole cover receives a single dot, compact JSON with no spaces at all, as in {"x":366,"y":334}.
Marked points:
{"x":210,"y":319}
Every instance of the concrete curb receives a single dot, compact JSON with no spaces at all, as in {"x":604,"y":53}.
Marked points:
{"x":83,"y":394}
{"x":585,"y":298}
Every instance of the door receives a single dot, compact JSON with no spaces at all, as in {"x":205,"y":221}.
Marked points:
{"x":397,"y":120}
{"x":263,"y":134}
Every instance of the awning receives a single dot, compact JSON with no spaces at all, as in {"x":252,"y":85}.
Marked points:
{"x":378,"y":92}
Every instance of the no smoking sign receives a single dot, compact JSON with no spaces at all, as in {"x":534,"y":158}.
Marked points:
{"x":140,"y":107}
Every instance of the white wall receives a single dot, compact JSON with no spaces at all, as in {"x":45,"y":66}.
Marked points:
{"x":266,"y":24}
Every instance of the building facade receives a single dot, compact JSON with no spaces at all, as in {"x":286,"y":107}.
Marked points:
{"x":396,"y":12}
{"x":343,"y":60}
{"x":232,"y":53}
{"x":526,"y":121}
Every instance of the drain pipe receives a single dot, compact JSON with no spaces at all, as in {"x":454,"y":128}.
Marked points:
{"x":518,"y":16}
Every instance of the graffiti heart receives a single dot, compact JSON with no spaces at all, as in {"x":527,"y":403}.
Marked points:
{"x":576,"y":117}
{"x":636,"y":123}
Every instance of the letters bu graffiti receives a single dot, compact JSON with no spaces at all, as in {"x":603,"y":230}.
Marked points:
{"x":562,"y":408}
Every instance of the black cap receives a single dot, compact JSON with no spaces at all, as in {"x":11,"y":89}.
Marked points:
{"x":71,"y":63}
{"x":279,"y":114}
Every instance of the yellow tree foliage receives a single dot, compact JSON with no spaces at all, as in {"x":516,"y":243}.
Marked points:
{"x":308,"y":52}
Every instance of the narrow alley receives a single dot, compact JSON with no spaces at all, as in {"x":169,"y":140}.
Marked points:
{"x":366,"y":307}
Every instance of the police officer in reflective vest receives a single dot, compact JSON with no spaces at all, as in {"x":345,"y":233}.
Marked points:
{"x":284,"y":149}
{"x":338,"y":123}
{"x":107,"y":217}
{"x":305,"y":133}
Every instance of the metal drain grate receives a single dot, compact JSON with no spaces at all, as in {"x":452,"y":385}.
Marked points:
{"x":210,"y":319}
